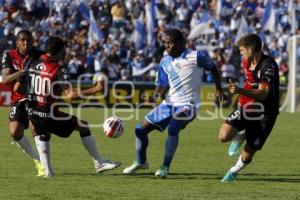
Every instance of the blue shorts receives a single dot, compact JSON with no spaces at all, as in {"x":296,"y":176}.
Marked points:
{"x":162,"y":114}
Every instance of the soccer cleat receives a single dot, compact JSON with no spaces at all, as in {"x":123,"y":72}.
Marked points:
{"x":134,"y":167}
{"x":40,"y":168}
{"x":162,"y":172}
{"x":234,"y":148}
{"x":106,"y":165}
{"x":229,"y":176}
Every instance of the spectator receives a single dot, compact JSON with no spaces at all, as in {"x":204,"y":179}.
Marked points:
{"x":74,"y":66}
{"x":137,"y":65}
{"x":118,"y":12}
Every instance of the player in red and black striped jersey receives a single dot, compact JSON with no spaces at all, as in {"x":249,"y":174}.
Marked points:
{"x":12,"y":68}
{"x":47,"y":80}
{"x":258,"y":104}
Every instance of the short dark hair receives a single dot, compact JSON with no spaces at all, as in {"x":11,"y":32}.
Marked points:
{"x":54,"y":45}
{"x":252,"y":41}
{"x":24,"y":32}
{"x":175,"y":35}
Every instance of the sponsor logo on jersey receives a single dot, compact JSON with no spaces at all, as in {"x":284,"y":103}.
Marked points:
{"x":40,"y":67}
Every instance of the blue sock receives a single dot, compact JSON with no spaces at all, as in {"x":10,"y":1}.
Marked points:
{"x":171,"y":142}
{"x":141,"y":143}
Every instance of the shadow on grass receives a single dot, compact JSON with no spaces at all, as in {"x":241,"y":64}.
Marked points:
{"x":289,"y":178}
{"x":147,"y":175}
{"x":264,"y":177}
{"x":174,"y":176}
{"x":90,"y":174}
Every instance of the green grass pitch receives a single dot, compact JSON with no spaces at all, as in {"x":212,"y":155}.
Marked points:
{"x":199,"y":164}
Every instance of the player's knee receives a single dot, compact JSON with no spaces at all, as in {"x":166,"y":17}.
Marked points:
{"x":16,"y":136}
{"x":223,"y":136}
{"x":16,"y":133}
{"x":174,"y":128}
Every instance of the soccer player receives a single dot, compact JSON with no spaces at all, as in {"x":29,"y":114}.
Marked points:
{"x":12,"y":68}
{"x":258,"y":104}
{"x":180,"y":71}
{"x":47,"y":79}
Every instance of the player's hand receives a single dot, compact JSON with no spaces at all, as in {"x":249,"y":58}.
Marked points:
{"x":22,"y":76}
{"x":99,"y":86}
{"x":24,"y":69}
{"x":220,"y":96}
{"x":232,"y":87}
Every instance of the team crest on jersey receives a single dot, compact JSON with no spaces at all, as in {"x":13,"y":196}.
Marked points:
{"x":40,"y":67}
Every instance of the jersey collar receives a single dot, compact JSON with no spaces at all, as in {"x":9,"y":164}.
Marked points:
{"x":182,"y":55}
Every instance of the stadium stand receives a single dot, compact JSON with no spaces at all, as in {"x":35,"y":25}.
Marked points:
{"x":124,"y":38}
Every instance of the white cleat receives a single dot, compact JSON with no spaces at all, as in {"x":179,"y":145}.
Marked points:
{"x":106,"y":165}
{"x":134,"y":167}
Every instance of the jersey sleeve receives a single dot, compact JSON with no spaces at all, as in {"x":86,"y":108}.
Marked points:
{"x":161,"y":76}
{"x":267,"y":73}
{"x":6,"y":62}
{"x":63,"y":77}
{"x":204,"y":61}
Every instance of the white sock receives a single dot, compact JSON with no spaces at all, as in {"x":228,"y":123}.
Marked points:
{"x":37,"y":139}
{"x":26,"y":147}
{"x":90,"y":146}
{"x":239,"y":137}
{"x":45,"y":152}
{"x":238,"y":166}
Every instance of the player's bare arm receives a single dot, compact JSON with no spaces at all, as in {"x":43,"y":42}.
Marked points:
{"x":72,"y":94}
{"x":8,"y":77}
{"x":219,"y":91}
{"x":259,"y":94}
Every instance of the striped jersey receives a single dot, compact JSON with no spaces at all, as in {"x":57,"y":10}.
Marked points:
{"x":183,"y":75}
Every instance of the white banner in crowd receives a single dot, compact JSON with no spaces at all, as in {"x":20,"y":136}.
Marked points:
{"x":201,"y":29}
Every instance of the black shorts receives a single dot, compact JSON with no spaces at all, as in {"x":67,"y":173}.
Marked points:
{"x":62,"y":125}
{"x":257,"y":126}
{"x":17,"y":113}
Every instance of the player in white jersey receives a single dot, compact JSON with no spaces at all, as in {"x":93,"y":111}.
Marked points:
{"x":180,"y":72}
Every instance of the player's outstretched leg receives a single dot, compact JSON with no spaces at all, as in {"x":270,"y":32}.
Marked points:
{"x":230,"y":133}
{"x":44,"y":149}
{"x":16,"y":130}
{"x":244,"y":159}
{"x":38,"y":163}
{"x":141,"y":144}
{"x":170,"y":148}
{"x":88,"y":142}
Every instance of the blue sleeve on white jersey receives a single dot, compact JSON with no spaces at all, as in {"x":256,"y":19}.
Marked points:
{"x":204,"y":60}
{"x":161,"y":76}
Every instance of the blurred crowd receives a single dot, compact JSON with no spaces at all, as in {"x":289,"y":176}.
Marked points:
{"x":129,"y":33}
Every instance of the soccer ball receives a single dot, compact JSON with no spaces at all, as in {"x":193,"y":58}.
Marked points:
{"x":113,"y":127}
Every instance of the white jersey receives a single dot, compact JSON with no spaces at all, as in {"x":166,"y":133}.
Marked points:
{"x":182,"y":74}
